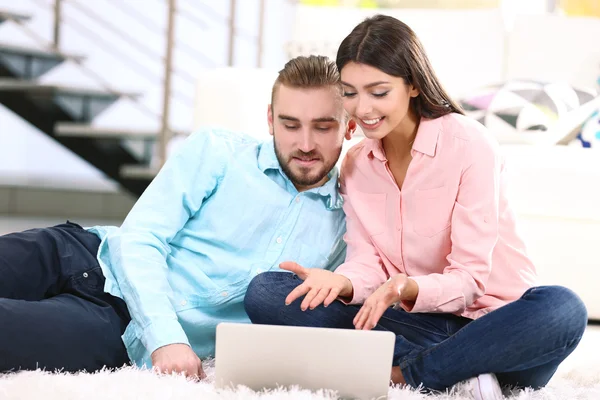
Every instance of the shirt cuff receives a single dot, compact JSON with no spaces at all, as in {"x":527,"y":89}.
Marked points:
{"x":359,"y":290}
{"x":162,"y":333}
{"x":428,"y":298}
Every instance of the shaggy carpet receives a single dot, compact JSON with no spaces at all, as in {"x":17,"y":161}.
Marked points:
{"x":577,"y":378}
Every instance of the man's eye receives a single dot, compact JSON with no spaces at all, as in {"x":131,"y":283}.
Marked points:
{"x":323,"y":128}
{"x":291,"y":127}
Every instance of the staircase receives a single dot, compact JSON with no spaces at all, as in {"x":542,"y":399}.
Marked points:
{"x":65,"y":113}
{"x":131,"y":157}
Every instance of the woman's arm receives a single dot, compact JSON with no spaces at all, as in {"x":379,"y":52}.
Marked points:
{"x":474,"y":233}
{"x":363,"y":265}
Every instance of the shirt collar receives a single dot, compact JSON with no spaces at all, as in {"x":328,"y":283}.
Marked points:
{"x":266,"y":156}
{"x":425,"y":142}
{"x":267,"y":160}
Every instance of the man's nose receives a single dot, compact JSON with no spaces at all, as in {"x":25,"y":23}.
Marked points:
{"x":307,"y":144}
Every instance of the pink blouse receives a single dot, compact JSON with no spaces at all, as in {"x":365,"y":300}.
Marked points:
{"x":451,"y":228}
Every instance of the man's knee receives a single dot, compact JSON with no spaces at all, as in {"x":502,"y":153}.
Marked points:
{"x":266,"y":294}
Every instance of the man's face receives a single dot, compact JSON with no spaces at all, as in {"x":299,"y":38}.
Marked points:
{"x":309,"y":126}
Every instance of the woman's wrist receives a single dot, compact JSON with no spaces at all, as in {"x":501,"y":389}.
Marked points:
{"x":347,"y":291}
{"x":410,"y":291}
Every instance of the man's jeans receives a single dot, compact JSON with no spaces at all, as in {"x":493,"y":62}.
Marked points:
{"x":54,"y":313}
{"x":522,"y":342}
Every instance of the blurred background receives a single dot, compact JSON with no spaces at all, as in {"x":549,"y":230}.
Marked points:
{"x":95,"y":95}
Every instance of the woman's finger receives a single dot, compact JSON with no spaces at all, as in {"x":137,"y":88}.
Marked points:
{"x":364,"y":315}
{"x":376,"y":314}
{"x":319,"y":298}
{"x":298,"y":292}
{"x":357,"y":316}
{"x":333,"y":295}
{"x":308,"y":298}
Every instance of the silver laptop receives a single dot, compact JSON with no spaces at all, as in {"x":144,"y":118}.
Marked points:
{"x":357,"y":364}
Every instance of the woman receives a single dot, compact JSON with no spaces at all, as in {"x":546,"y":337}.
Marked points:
{"x":430,"y":230}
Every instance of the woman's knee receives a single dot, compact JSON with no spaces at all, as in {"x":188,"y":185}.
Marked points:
{"x":565,"y":308}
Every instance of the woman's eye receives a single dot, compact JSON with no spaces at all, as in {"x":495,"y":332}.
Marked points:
{"x":380,"y":94}
{"x":348,"y":94}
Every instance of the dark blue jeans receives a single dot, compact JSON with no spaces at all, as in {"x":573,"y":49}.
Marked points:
{"x":522,"y":343}
{"x":54,"y":313}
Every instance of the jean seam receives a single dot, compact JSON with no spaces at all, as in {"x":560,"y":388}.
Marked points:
{"x":414,"y":326}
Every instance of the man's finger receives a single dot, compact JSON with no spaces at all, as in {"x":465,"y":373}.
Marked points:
{"x":192,"y":371}
{"x":322,"y":295}
{"x":201,"y":373}
{"x":308,"y":298}
{"x":333,"y":295}
{"x":295,"y":268}
{"x":298,"y":292}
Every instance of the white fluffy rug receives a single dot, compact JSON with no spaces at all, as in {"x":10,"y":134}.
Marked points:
{"x":578,"y":378}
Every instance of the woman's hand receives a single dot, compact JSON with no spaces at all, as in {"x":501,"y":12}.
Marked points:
{"x":398,"y":288}
{"x":319,"y":286}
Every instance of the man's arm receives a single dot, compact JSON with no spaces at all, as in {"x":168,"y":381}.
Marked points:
{"x":138,"y":250}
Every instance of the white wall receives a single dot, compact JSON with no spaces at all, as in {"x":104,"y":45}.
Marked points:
{"x":28,"y":157}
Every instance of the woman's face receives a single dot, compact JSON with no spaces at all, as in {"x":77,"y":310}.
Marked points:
{"x":378,"y":102}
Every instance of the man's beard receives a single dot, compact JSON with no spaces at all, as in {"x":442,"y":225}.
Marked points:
{"x":299,"y":178}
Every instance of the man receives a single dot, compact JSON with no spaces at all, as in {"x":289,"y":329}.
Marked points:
{"x":223,"y":209}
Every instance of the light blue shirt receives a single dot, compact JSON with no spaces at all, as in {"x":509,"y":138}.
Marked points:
{"x":219,"y":212}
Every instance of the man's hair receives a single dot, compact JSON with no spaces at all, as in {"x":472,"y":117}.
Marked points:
{"x":308,"y":72}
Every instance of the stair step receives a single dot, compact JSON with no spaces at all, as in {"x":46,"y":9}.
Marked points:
{"x":29,"y":63}
{"x":97,"y":132}
{"x":49,"y":53}
{"x":33,"y":86}
{"x":81,"y":105}
{"x":6,"y":15}
{"x":139,"y":172}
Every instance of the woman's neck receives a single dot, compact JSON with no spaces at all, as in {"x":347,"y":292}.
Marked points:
{"x":398,"y":143}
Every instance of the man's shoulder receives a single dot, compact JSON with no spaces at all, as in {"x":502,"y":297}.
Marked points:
{"x":223,"y":139}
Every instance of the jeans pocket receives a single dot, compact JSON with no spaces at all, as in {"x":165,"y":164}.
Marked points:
{"x":89,"y":279}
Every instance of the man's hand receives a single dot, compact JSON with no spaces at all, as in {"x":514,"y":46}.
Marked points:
{"x":179,"y":358}
{"x":320,"y":286}
{"x":398,"y":288}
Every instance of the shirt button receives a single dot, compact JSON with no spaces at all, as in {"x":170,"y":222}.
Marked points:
{"x":298,"y":199}
{"x":85,"y":275}
{"x":279,"y":240}
{"x":258,"y":271}
{"x":224,"y":294}
{"x":183,"y":302}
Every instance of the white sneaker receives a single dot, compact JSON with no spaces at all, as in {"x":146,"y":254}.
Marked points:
{"x":484,"y":387}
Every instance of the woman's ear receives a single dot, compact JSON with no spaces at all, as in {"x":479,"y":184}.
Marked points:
{"x":413,"y":92}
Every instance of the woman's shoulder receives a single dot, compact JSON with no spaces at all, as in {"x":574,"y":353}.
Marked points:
{"x":468,"y":131}
{"x":358,"y":153}
{"x":355,"y":158}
